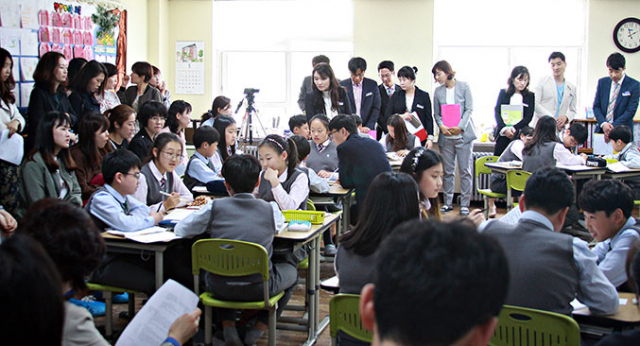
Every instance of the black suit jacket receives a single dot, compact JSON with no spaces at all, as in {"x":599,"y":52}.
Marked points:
{"x":42,"y":102}
{"x":310,"y":110}
{"x":369,"y":104}
{"x":83,"y":102}
{"x":529,"y":102}
{"x":421,"y":105}
{"x":384,"y":101}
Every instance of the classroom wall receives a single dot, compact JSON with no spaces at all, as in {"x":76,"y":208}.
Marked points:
{"x":136,"y":31}
{"x":157,"y":34}
{"x":400,"y":31}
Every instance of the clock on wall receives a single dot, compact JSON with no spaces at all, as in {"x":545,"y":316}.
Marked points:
{"x":626,"y":35}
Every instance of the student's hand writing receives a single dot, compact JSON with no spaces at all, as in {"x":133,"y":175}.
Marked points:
{"x":429,"y":144}
{"x":477,"y":217}
{"x":12,"y":126}
{"x":171,"y":202}
{"x":156,"y":216}
{"x":324,"y":174}
{"x":185,"y":326}
{"x":561,"y":121}
{"x":7,"y":223}
{"x":402,"y":153}
{"x":272,"y":176}
{"x":445,"y":130}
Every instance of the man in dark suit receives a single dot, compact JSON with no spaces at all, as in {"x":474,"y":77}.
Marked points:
{"x":360,"y":159}
{"x":306,"y":83}
{"x":617,"y":97}
{"x":363,"y":94}
{"x":386,"y":71}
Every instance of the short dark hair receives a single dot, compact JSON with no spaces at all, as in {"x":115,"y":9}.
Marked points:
{"x":176,"y":107}
{"x":388,"y":64}
{"x":30,"y":294}
{"x":143,"y":69}
{"x":579,"y":132}
{"x":607,"y":195}
{"x":425,"y":272}
{"x":320,"y":58}
{"x":241,"y":172}
{"x":526,"y":130}
{"x":302,"y":145}
{"x":297,"y":121}
{"x":445,"y":67}
{"x":205,"y":134}
{"x":118,"y":115}
{"x":555,"y":55}
{"x":356,"y":63}
{"x":549,"y":189}
{"x":112,"y":70}
{"x":149,"y":110}
{"x":408,"y":72}
{"x":69,"y":236}
{"x":357,"y":119}
{"x":622,"y":132}
{"x":75,"y":65}
{"x":343,"y":121}
{"x":616,"y":61}
{"x":118,"y":161}
{"x":89,"y":71}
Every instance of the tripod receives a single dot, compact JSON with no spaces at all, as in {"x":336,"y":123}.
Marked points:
{"x":246,"y":129}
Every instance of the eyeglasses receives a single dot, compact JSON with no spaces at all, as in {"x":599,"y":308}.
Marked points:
{"x":171,"y":156}
{"x":157,"y":118}
{"x":332,"y":132}
{"x":136,"y":175}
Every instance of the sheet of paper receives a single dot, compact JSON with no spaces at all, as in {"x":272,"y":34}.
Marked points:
{"x":623,"y":301}
{"x":178,"y":214}
{"x":154,"y":237}
{"x":151,"y":325}
{"x":599,"y":146}
{"x":25,"y":93}
{"x":578,"y":167}
{"x":10,"y":40}
{"x":29,"y":14}
{"x":617,"y":167}
{"x":29,"y":43}
{"x":11,"y":149}
{"x":450,"y":115}
{"x":200,"y":189}
{"x":10,"y":16}
{"x":577,"y":305}
{"x":28,"y":66}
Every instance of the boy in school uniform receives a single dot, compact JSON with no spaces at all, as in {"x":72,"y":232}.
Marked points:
{"x":299,"y":126}
{"x":627,"y":153}
{"x":316,"y":183}
{"x":575,"y":135}
{"x":608,"y":208}
{"x":199,"y":168}
{"x":220,"y":219}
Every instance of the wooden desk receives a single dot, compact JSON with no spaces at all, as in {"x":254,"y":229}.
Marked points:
{"x":628,"y":316}
{"x":342,"y":194}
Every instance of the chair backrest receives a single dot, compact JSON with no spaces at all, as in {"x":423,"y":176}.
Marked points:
{"x":517,"y":179}
{"x":481,"y":168}
{"x":229,"y":258}
{"x":344,"y":315}
{"x":522,"y":326}
{"x":310,"y":205}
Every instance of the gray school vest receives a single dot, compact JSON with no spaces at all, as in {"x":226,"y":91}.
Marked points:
{"x":326,"y":160}
{"x":189,"y":181}
{"x":411,"y":141}
{"x":264,"y":190}
{"x":543,"y":274}
{"x":540,"y":156}
{"x":153,"y":186}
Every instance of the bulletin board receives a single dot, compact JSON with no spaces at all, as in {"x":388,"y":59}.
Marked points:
{"x":30,"y":28}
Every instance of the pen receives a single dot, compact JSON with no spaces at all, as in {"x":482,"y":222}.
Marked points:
{"x":169,"y":195}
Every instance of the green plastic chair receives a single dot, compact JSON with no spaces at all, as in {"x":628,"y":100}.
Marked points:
{"x":344,"y":315}
{"x":107,"y":293}
{"x":522,"y":326}
{"x":233,"y":258}
{"x":516,"y":180}
{"x":480,"y":168}
{"x":310,"y":205}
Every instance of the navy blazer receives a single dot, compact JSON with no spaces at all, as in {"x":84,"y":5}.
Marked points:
{"x":421,"y":105}
{"x":310,"y":110}
{"x":83,"y":102}
{"x":626,"y":103}
{"x":384,"y":101}
{"x":42,"y":102}
{"x":369,"y":104}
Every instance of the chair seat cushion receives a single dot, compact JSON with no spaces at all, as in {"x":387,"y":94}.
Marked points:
{"x":208,"y":299}
{"x":489,"y":193}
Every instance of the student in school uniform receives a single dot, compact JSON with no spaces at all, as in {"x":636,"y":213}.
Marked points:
{"x":160,"y":186}
{"x":316,"y":184}
{"x":48,"y":171}
{"x":228,"y":130}
{"x":86,"y":85}
{"x":516,"y":94}
{"x":398,"y":139}
{"x":425,"y":166}
{"x":410,"y":99}
{"x":142,"y":92}
{"x":456,"y":142}
{"x":299,"y":126}
{"x":573,"y":136}
{"x":151,"y":118}
{"x":360,"y":159}
{"x":549,"y":269}
{"x":107,"y":96}
{"x":122,"y":126}
{"x":219,"y":218}
{"x":544,"y":149}
{"x":221,"y":106}
{"x":199,"y":168}
{"x":280,"y":180}
{"x":627,"y":153}
{"x":323,"y":157}
{"x":608,"y":213}
{"x":88,"y":154}
{"x":178,"y":118}
{"x":326,"y":96}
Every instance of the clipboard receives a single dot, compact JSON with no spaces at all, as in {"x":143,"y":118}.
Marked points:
{"x":511,"y":114}
{"x":450,"y":115}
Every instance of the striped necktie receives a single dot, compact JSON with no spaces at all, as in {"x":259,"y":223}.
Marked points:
{"x":389,"y":91}
{"x":163,"y":184}
{"x":612,"y":103}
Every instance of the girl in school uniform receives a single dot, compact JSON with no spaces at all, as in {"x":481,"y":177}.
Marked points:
{"x":122,"y":126}
{"x":107,"y":97}
{"x":178,"y":118}
{"x":410,"y":99}
{"x":221,"y":106}
{"x":86,"y":84}
{"x":327,"y":96}
{"x":48,"y":170}
{"x":544,"y":149}
{"x":228,"y":131}
{"x":516,"y":94}
{"x":358,"y":247}
{"x":280,"y":180}
{"x":88,"y":154}
{"x":151,"y":118}
{"x":323,"y":157}
{"x":159,"y":186}
{"x":11,"y":120}
{"x":398,"y":140}
{"x":425,"y":166}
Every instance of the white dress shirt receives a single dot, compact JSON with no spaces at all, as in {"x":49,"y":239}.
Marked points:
{"x":612,"y":253}
{"x":108,"y":206}
{"x":178,"y":186}
{"x":563,"y":156}
{"x":299,"y":192}
{"x":201,"y":169}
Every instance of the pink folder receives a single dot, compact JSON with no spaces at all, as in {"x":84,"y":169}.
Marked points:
{"x":450,"y":115}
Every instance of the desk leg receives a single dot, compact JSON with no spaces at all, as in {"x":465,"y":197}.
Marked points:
{"x":509,"y":199}
{"x":159,"y":269}
{"x":346,"y":216}
{"x":312,"y":292}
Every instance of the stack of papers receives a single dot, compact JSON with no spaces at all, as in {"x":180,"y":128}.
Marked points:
{"x":148,"y":235}
{"x":617,"y":167}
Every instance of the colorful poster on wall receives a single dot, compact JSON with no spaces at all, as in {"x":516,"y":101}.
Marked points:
{"x":189,"y":68}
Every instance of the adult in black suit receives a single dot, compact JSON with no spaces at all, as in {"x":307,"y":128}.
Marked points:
{"x":306,"y":83}
{"x":360,"y":159}
{"x":386,"y":71}
{"x":363,"y":94}
{"x":517,"y":93}
{"x":327,"y":96}
{"x":421,"y":102}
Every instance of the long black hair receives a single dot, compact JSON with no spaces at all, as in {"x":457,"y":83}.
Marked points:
{"x":89,"y":71}
{"x":89,"y":125}
{"x":46,"y":145}
{"x":400,"y":133}
{"x":221,"y":125}
{"x":280,"y":145}
{"x":544,"y":132}
{"x":177,"y":107}
{"x":325,"y":71}
{"x":417,"y":161}
{"x":515,"y":73}
{"x":5,"y":88}
{"x":218,"y":102}
{"x":159,"y":143}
